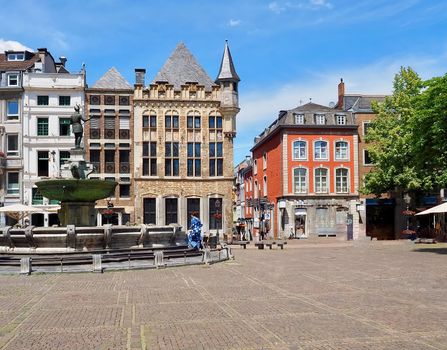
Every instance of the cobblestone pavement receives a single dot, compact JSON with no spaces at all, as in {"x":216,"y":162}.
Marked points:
{"x":367,"y":296}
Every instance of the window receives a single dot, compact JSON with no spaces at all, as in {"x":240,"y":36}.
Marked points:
{"x":215,"y":210}
{"x":13,"y":183}
{"x":341,"y":180}
{"x":264,"y":160}
{"x":124,"y":161}
{"x":124,"y":190}
{"x":13,"y":80}
{"x":12,"y":110}
{"x":16,"y":56}
{"x":367,"y":158}
{"x":171,"y":159}
{"x":64,"y":100}
{"x":340,"y":119}
{"x":149,"y":158}
{"x":171,"y":211}
{"x":12,"y":145}
{"x":320,"y":119}
{"x":192,"y":207}
{"x":300,"y":180}
{"x":37,"y":197}
{"x":193,"y":122}
{"x":300,"y":150}
{"x":42,"y":163}
{"x":171,"y":121}
{"x":95,"y":99}
{"x":149,"y":211}
{"x":215,"y":122}
{"x":109,"y":160}
{"x":264,"y":187}
{"x":255,"y":167}
{"x":42,"y":100}
{"x":365,"y":127}
{"x":64,"y":126}
{"x":149,"y":121}
{"x":299,"y":118}
{"x":109,"y":100}
{"x":95,"y":159}
{"x":64,"y":156}
{"x":341,"y":150}
{"x":216,"y":158}
{"x":109,"y":127}
{"x":321,"y":183}
{"x":42,"y":126}
{"x":193,"y":161}
{"x":320,"y":151}
{"x":256,"y":191}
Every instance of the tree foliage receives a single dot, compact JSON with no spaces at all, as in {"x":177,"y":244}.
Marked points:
{"x":407,"y":141}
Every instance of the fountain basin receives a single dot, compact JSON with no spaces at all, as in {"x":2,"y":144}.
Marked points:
{"x":76,"y":190}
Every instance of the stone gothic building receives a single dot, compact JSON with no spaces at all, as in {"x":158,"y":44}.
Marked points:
{"x":183,"y":143}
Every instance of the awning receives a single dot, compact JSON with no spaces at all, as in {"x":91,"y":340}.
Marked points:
{"x":441,"y":208}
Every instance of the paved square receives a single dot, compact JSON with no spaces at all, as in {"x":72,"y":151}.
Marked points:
{"x":378,"y":295}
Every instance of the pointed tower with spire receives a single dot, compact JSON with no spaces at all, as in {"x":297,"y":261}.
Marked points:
{"x":228,"y":81}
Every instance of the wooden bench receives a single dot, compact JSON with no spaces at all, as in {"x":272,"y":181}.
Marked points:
{"x":241,"y":243}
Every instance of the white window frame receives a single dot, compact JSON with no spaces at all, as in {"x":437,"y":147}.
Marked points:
{"x":255,"y":167}
{"x":15,"y":56}
{"x":320,"y":119}
{"x":264,"y":187}
{"x":335,"y":150}
{"x":17,"y":79}
{"x":9,"y":152}
{"x":256,"y":190}
{"x":321,"y":189}
{"x":296,"y":142}
{"x":13,"y":191}
{"x":10,"y":116}
{"x":364,"y":157}
{"x":264,"y":160}
{"x":340,"y":119}
{"x":347,"y":180}
{"x":299,"y":119}
{"x":300,"y":187}
{"x":315,"y":150}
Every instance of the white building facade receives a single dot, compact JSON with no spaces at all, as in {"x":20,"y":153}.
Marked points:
{"x":48,"y":102}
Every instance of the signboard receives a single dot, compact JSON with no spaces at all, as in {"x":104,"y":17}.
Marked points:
{"x":300,"y":212}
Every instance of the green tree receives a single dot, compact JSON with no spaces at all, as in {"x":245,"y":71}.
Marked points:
{"x":390,"y":137}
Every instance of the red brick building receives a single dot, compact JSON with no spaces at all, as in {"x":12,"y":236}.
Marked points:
{"x":305,"y":174}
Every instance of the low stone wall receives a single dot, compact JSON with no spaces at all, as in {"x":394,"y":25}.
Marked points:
{"x":72,"y":238}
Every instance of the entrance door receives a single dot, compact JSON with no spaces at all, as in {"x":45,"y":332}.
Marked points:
{"x":300,"y":223}
{"x":149,"y":211}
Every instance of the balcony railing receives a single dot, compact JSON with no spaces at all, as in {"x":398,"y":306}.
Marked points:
{"x":109,"y":134}
{"x":109,"y":167}
{"x":95,"y":133}
{"x":124,"y":168}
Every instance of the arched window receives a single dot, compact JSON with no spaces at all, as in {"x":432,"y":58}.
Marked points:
{"x":300,"y":150}
{"x":321,"y":181}
{"x":341,"y":150}
{"x":341,"y":180}
{"x":300,"y":180}
{"x":320,"y":150}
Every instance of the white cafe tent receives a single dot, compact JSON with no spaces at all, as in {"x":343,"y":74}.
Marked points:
{"x":439,"y":209}
{"x":18,"y":211}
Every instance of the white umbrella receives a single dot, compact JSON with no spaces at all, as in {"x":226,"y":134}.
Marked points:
{"x":441,"y":208}
{"x":16,"y":211}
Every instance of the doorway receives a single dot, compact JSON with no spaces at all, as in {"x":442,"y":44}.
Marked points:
{"x":300,"y":230}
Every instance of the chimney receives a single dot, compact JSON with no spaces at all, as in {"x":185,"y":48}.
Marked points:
{"x":341,"y":93}
{"x":63,"y":60}
{"x":140,"y":74}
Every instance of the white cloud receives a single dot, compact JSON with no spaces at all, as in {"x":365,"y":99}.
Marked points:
{"x":12,"y":45}
{"x":323,"y":3}
{"x":275,"y":7}
{"x":234,"y":22}
{"x":260,"y":108}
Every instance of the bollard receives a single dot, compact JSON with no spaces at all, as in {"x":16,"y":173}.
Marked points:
{"x":97,"y":263}
{"x":207,"y":256}
{"x":158,"y":259}
{"x":25,"y":266}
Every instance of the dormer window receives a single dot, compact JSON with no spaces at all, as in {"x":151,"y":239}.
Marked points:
{"x":299,"y":118}
{"x":17,"y":56}
{"x":13,"y":80}
{"x":320,"y":119}
{"x":340,"y":119}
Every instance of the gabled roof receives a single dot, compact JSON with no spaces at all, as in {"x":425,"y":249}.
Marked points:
{"x":181,"y":68}
{"x":227,"y":70}
{"x":112,"y":80}
{"x":30,"y":59}
{"x":361,"y":103}
{"x":310,"y":106}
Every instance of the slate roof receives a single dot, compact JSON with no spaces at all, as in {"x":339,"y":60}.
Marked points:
{"x":361,"y":103}
{"x":112,"y":80}
{"x":30,"y":59}
{"x":227,"y":70}
{"x":181,"y":67}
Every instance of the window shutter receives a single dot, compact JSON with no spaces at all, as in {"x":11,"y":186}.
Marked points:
{"x":124,"y":123}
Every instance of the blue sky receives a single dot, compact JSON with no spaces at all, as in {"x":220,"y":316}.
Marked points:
{"x":284,"y":51}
